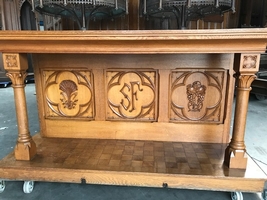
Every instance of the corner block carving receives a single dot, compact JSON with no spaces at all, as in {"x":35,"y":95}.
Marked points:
{"x":197,"y":95}
{"x":132,"y":95}
{"x":69,"y":93}
{"x":250,"y":61}
{"x":11,"y":61}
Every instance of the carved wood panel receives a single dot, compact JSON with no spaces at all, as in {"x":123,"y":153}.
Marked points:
{"x":132,"y":95}
{"x":68,"y":94}
{"x":197,"y":95}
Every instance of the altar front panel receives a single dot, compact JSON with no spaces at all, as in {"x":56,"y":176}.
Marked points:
{"x":147,"y":97}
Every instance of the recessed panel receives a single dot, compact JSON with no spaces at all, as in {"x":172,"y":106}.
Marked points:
{"x":131,"y":95}
{"x":197,"y":95}
{"x":68,"y":94}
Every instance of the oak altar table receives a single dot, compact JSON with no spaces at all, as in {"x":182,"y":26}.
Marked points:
{"x":138,"y":108}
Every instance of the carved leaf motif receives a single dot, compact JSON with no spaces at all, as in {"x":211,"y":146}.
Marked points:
{"x":69,"y":93}
{"x":246,"y":80}
{"x":17,"y":78}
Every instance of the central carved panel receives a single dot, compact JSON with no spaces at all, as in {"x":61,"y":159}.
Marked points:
{"x":197,"y":95}
{"x":69,"y":94}
{"x":132,"y":95}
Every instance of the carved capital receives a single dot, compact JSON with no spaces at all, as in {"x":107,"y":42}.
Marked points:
{"x":246,"y":80}
{"x":17,"y":77}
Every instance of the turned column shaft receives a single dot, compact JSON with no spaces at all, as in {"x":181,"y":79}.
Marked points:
{"x":16,"y":65}
{"x":22,"y":115}
{"x":246,"y":65}
{"x":239,"y":126}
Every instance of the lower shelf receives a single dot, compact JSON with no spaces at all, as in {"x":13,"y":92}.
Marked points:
{"x":133,"y":163}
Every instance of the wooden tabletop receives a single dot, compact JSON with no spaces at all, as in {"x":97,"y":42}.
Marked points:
{"x":136,"y":41}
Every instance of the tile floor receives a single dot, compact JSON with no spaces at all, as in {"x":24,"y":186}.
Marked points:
{"x":256,"y":140}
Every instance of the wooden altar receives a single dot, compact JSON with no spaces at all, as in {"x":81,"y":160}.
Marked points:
{"x":140,"y":108}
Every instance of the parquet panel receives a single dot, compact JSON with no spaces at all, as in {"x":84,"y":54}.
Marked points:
{"x":128,"y":156}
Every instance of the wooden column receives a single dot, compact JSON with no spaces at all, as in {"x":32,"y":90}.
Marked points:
{"x":246,"y":65}
{"x":16,"y":66}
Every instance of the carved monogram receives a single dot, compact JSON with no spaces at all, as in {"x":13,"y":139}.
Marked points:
{"x":69,"y":93}
{"x":195,"y":95}
{"x":11,"y":61}
{"x":249,"y":62}
{"x":131,"y":95}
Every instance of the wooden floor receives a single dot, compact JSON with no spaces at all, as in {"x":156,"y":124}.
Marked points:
{"x":124,"y":162}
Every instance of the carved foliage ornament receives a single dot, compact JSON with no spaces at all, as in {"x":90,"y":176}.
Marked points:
{"x":249,"y":62}
{"x":69,"y":94}
{"x":195,"y":95}
{"x":246,"y":80}
{"x":17,"y":78}
{"x":11,"y":61}
{"x":131,"y":95}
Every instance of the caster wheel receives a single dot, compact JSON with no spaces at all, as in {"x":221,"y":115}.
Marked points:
{"x":28,"y":187}
{"x":264,"y":195}
{"x":2,"y":186}
{"x":236,"y":196}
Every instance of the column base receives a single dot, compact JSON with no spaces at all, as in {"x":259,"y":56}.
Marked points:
{"x":25,"y":151}
{"x":235,"y":159}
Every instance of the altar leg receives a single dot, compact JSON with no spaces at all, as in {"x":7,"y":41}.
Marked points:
{"x":16,"y":66}
{"x":246,"y":65}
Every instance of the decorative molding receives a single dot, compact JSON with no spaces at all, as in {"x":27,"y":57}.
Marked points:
{"x":132,"y":95}
{"x":11,"y":61}
{"x":197,"y":95}
{"x":69,"y":93}
{"x":250,"y":62}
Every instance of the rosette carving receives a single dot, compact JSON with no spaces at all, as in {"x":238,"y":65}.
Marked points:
{"x":250,"y":61}
{"x":11,"y":60}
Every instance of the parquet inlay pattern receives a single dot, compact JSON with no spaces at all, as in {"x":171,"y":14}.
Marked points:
{"x":129,"y":156}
